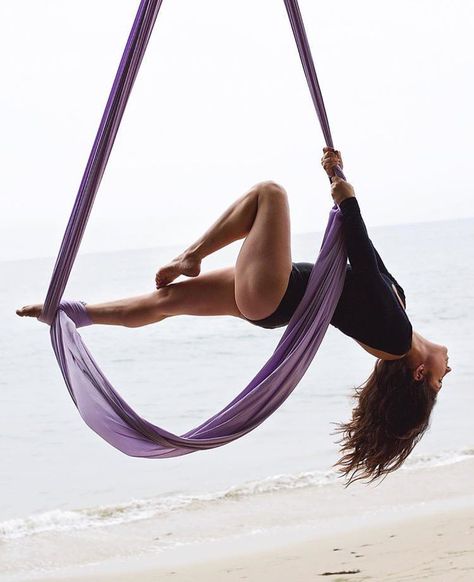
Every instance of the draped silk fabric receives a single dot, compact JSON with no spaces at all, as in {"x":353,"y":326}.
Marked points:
{"x":99,"y":404}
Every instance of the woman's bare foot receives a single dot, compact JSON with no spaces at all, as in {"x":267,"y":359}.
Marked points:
{"x":185,"y":264}
{"x":30,"y":310}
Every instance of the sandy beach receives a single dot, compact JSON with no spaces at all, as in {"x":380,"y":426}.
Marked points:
{"x":418,"y":525}
{"x":439,"y":547}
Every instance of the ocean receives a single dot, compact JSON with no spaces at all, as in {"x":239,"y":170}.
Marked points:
{"x":57,"y":476}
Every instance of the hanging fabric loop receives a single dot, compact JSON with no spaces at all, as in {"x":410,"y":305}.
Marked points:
{"x":99,"y":404}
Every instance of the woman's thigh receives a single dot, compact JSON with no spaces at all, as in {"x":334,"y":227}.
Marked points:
{"x":263,"y":266}
{"x":208,"y":294}
{"x":211,"y":293}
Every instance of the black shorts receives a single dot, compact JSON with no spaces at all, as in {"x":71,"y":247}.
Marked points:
{"x":295,"y":290}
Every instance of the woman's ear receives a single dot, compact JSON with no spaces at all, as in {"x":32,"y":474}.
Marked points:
{"x":419,"y":372}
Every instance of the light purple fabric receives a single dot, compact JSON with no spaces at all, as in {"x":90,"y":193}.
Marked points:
{"x":99,"y":404}
{"x":76,"y":311}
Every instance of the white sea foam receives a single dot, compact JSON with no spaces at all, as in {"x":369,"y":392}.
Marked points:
{"x":141,"y":509}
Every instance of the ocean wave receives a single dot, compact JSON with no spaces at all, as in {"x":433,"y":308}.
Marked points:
{"x":139,"y":509}
{"x":420,"y":461}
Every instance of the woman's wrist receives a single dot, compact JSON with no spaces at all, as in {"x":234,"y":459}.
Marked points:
{"x":341,"y":190}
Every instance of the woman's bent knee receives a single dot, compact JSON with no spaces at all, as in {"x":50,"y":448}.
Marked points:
{"x":270,"y":188}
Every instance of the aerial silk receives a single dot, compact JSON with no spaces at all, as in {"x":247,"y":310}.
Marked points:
{"x":99,"y":404}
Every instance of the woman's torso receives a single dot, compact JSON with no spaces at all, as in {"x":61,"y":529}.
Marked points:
{"x":369,"y":310}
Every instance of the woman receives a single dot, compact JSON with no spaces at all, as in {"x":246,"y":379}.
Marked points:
{"x":264,"y":287}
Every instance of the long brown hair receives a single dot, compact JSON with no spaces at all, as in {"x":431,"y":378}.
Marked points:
{"x":392,"y":414}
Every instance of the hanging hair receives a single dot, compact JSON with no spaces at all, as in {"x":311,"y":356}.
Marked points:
{"x":392,"y":414}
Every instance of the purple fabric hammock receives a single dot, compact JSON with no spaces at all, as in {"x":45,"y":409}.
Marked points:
{"x":101,"y":407}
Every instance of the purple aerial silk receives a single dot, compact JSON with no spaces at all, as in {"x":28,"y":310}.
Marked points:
{"x":101,"y":407}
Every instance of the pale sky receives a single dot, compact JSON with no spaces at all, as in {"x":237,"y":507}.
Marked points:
{"x":221,"y":103}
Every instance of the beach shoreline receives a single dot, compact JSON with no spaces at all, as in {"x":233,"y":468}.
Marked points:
{"x":418,"y":523}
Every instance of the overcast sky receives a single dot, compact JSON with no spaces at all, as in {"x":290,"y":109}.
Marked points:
{"x":221,"y":103}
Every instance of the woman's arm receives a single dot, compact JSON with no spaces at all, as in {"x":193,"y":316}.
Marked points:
{"x":360,"y":250}
{"x":362,"y":254}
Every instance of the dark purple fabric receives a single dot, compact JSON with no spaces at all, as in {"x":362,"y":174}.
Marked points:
{"x":101,"y":407}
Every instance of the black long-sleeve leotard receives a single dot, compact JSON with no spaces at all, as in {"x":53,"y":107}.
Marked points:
{"x":368,"y":310}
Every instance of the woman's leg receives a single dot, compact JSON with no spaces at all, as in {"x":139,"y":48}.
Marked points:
{"x":209,"y":294}
{"x":252,"y":289}
{"x":263,"y":266}
{"x":264,"y":262}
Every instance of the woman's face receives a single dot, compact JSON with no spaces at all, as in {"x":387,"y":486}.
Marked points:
{"x":437,"y":367}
